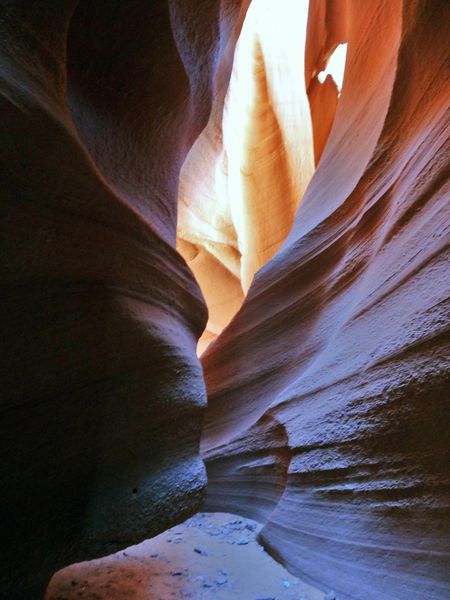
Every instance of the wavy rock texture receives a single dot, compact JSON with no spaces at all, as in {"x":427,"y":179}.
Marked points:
{"x":328,"y":392}
{"x":102,"y":393}
{"x":328,"y":415}
{"x":246,"y":174}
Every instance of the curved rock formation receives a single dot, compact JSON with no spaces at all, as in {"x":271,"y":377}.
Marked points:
{"x":328,"y":413}
{"x":246,"y":174}
{"x":102,"y":393}
{"x":343,"y":338}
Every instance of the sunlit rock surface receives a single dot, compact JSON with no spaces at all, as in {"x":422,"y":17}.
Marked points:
{"x":102,"y":393}
{"x":328,"y":413}
{"x":246,"y":174}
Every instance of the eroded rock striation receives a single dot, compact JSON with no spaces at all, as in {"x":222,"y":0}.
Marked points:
{"x":102,"y":393}
{"x":328,"y":392}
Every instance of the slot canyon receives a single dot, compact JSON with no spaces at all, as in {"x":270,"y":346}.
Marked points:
{"x":225,"y":287}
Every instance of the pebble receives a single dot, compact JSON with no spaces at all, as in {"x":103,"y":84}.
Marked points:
{"x":206,"y":581}
{"x":200,"y":551}
{"x":243,"y":542}
{"x":330,"y":596}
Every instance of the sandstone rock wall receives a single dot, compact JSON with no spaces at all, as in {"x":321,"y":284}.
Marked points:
{"x":328,"y":393}
{"x":102,"y":393}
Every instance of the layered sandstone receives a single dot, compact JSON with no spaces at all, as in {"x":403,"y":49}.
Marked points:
{"x":102,"y":393}
{"x":328,"y":392}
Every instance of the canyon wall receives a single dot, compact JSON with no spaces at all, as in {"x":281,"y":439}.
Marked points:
{"x":328,"y":416}
{"x":328,"y":391}
{"x":102,"y":393}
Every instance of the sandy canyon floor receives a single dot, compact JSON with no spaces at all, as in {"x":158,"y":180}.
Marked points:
{"x":210,"y":556}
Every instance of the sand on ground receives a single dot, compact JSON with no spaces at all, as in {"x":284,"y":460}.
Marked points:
{"x":210,"y":556}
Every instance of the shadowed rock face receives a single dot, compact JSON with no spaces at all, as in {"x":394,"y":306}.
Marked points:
{"x":343,"y":338}
{"x":102,"y":393}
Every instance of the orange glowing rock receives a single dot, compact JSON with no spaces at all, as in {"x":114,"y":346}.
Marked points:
{"x":246,"y":174}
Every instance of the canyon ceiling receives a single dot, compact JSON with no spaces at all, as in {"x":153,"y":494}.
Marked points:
{"x":176,"y":170}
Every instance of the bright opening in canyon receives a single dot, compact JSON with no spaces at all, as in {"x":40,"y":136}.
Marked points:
{"x":335,"y":67}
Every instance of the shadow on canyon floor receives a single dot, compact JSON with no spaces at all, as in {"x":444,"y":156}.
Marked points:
{"x":210,"y":556}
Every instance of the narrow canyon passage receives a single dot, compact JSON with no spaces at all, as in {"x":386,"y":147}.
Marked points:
{"x":240,"y":187}
{"x":225,"y":288}
{"x":245,"y":175}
